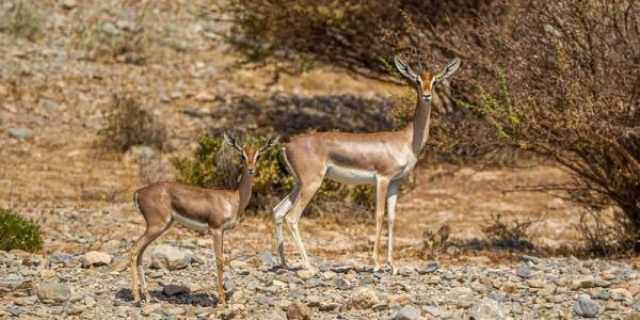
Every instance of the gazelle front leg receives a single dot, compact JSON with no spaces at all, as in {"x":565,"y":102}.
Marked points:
{"x":218,"y":235}
{"x":391,"y":211}
{"x":382,"y":186}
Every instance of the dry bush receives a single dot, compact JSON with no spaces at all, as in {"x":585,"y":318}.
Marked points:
{"x":435,"y":242}
{"x":509,"y":235}
{"x":128,"y":124}
{"x":578,"y":97}
{"x":23,"y":20}
{"x":601,"y":237}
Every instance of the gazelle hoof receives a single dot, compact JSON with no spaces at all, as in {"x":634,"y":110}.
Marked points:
{"x":394,"y":270}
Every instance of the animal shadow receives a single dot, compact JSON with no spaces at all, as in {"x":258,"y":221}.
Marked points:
{"x":196,"y":299}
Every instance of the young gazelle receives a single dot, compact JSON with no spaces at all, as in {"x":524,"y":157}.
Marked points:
{"x":380,"y":159}
{"x":212,"y":210}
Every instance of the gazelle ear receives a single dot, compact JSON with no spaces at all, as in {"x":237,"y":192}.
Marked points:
{"x":274,"y":140}
{"x":231,"y":142}
{"x":271,"y":141}
{"x":405,"y":70}
{"x":448,"y":71}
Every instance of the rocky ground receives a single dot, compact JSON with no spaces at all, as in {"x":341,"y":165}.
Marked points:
{"x":180,"y":275}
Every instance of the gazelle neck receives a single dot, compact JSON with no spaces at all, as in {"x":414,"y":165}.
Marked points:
{"x":244,"y":189}
{"x":419,"y":128}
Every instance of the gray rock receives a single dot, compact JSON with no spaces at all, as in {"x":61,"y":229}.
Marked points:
{"x":430,"y":267}
{"x":140,"y":153}
{"x":95,"y":258}
{"x":342,"y":268}
{"x":621,"y":294}
{"x":524,"y":271}
{"x":267,"y":260}
{"x":364,"y":298}
{"x":407,"y":313}
{"x":532,"y":259}
{"x":229,"y":286}
{"x":26,"y":301}
{"x":487,"y":309}
{"x":498,"y":296}
{"x":264,"y":300}
{"x":602,"y":294}
{"x":150,"y":308}
{"x":461,"y":296}
{"x":13,"y":282}
{"x":109,"y":28}
{"x":15,"y":310}
{"x":50,"y":105}
{"x":436,"y":312}
{"x":584,"y":283}
{"x":585,"y":307}
{"x":343,"y":284}
{"x":53,"y":292}
{"x":299,"y":311}
{"x":170,"y":257}
{"x":20,"y":133}
{"x":61,"y":258}
{"x":305,"y":274}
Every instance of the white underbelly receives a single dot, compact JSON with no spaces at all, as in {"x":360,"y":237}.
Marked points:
{"x":190,"y":223}
{"x":351,"y":175}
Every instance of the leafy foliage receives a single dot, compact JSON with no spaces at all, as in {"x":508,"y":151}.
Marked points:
{"x":19,"y":233}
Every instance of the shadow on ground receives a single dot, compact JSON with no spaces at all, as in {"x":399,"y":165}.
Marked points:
{"x":290,"y":115}
{"x":195,"y":299}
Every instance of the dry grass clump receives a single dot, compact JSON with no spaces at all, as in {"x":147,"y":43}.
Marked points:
{"x":128,"y":124}
{"x":23,"y":20}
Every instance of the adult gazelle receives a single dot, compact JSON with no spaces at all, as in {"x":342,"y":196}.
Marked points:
{"x":380,"y":159}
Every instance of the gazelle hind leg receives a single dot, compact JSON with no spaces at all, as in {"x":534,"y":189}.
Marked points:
{"x":304,"y":196}
{"x":151,"y":234}
{"x":391,"y":212}
{"x":382,"y":186}
{"x":279,"y":213}
{"x":134,"y":282}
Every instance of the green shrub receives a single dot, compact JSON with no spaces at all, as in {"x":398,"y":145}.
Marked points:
{"x":128,"y":124}
{"x":18,"y":233}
